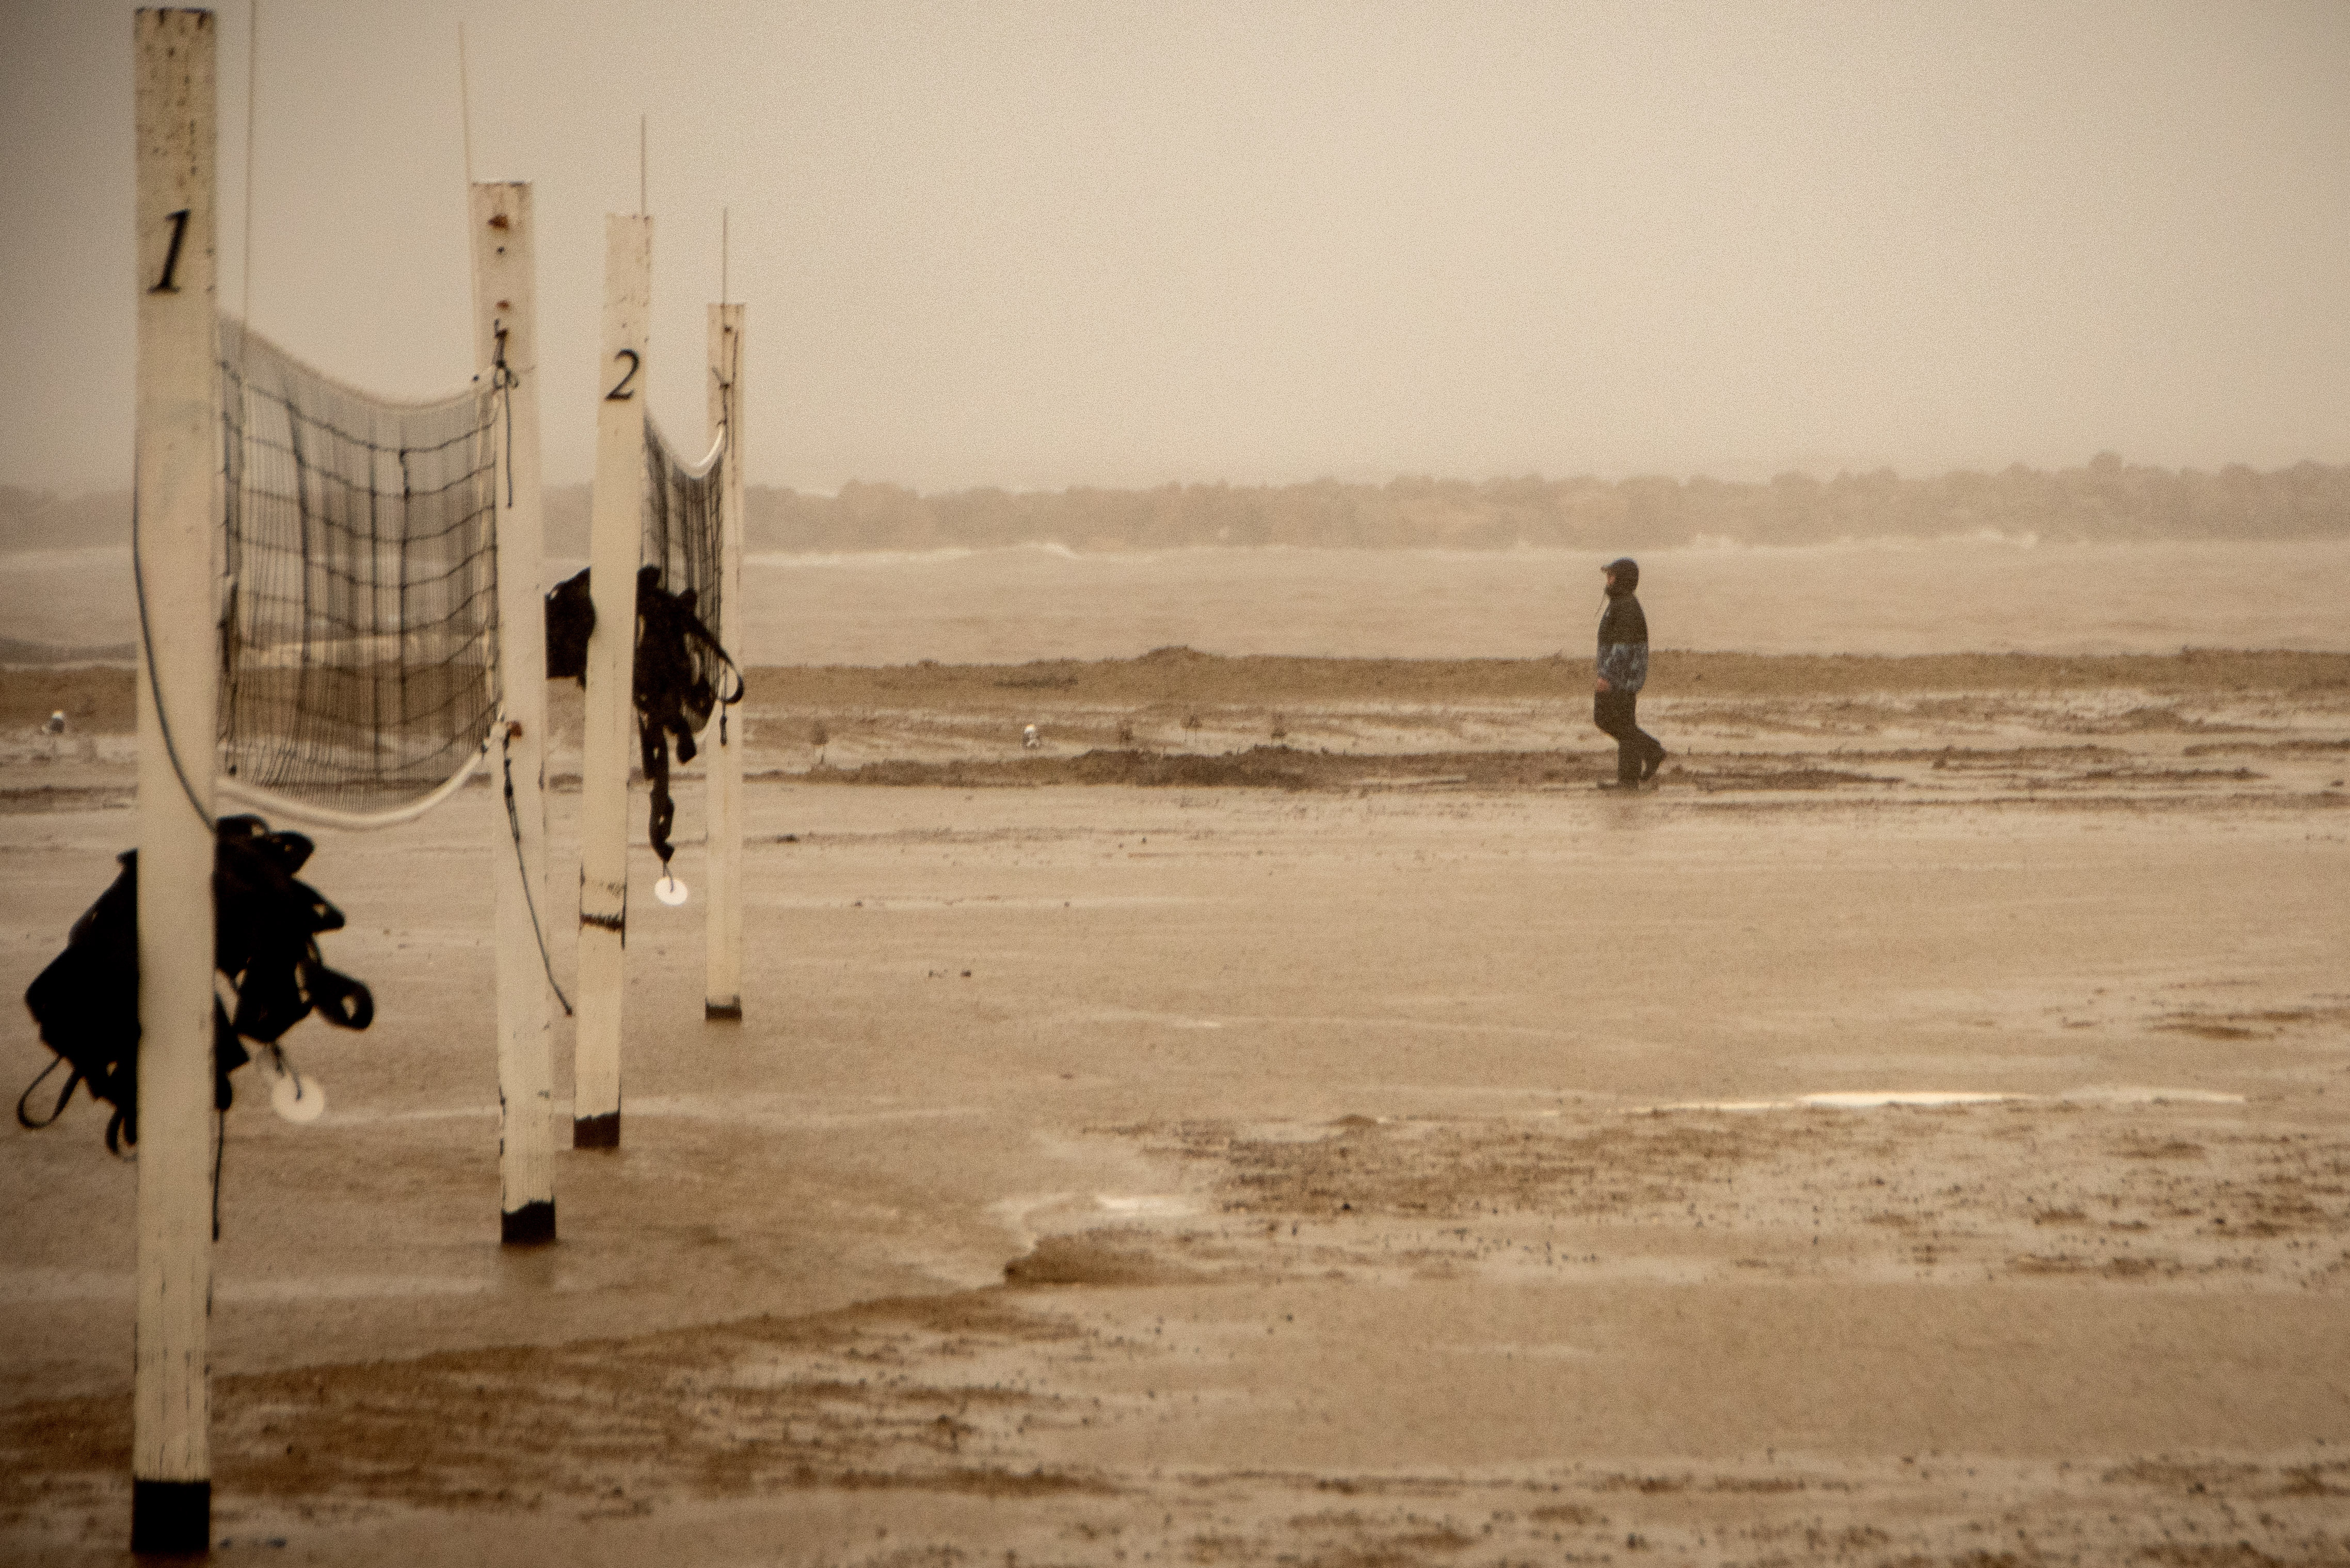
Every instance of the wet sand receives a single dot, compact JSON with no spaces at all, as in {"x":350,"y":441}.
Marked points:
{"x":1909,"y":1135}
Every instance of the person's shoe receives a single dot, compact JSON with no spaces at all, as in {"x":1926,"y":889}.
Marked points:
{"x":1656,"y":760}
{"x":1620,"y":784}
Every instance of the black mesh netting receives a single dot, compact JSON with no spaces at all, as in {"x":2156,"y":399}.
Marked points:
{"x":360,"y":627}
{"x":682,"y":510}
{"x":681,"y":674}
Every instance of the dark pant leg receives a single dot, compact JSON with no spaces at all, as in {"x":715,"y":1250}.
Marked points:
{"x":1614,"y":712}
{"x":1652,"y":751}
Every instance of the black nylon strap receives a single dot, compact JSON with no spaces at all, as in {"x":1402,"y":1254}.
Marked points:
{"x":73,"y":1080}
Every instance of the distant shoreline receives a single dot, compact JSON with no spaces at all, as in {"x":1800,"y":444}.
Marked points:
{"x":98,"y":698}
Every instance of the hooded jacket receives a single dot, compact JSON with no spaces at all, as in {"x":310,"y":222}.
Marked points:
{"x":1624,"y":632}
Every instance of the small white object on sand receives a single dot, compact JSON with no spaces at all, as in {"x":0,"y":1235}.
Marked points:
{"x":296,"y":1098}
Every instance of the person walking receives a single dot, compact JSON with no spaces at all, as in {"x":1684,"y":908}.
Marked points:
{"x":1623,"y":671}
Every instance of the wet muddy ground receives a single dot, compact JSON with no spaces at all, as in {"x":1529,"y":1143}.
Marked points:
{"x":1943,"y":1164}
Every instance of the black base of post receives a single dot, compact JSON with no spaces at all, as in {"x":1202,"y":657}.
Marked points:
{"x":730,"y":1011}
{"x":532,"y":1225}
{"x":170,"y":1518}
{"x":595,"y":1132}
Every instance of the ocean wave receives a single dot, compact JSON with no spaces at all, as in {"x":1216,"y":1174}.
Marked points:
{"x":943,"y":555}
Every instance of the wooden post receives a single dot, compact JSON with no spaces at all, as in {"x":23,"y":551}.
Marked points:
{"x":723,"y":992}
{"x":505,"y":347}
{"x":615,"y":545}
{"x":176,"y":507}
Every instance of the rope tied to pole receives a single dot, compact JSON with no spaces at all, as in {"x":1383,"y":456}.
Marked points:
{"x":154,"y":681}
{"x":503,"y":381}
{"x":530,"y":900}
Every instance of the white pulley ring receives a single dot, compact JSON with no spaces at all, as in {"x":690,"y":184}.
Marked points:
{"x":297,"y":1099}
{"x":670,"y":891}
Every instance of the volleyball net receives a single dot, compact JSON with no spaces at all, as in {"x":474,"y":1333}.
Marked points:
{"x":359,"y":676}
{"x":682,"y":674}
{"x":684,"y":519}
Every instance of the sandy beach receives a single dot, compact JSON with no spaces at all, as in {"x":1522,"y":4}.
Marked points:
{"x":1290,"y":1115}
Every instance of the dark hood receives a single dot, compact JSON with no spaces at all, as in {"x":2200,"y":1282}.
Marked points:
{"x":1627,"y":573}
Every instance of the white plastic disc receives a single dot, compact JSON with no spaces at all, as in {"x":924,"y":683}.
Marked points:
{"x":297,"y":1099}
{"x":670,"y":891}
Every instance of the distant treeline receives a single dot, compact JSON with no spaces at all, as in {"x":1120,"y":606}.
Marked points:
{"x":2106,"y":500}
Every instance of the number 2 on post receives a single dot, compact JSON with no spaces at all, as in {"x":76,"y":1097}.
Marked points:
{"x":621,"y":394}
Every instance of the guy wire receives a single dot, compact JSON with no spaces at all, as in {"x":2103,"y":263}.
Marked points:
{"x":530,"y":902}
{"x":503,"y":381}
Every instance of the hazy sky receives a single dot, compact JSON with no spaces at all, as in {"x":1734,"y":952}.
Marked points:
{"x":1037,"y":244}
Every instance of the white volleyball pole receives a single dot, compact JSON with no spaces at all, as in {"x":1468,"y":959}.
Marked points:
{"x":505,"y":347}
{"x":176,"y":508}
{"x":722,"y":993}
{"x":614,"y":548}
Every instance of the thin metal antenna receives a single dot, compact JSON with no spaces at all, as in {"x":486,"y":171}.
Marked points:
{"x":466,"y":102}
{"x":252,"y":98}
{"x":641,"y":165}
{"x":723,"y":298}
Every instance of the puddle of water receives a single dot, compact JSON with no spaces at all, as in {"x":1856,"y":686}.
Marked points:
{"x":2136,"y":1096}
{"x":1876,"y":1099}
{"x":340,"y":1117}
{"x":1844,"y":1100}
{"x":1030,"y":1216}
{"x":70,"y":1285}
{"x":769,"y":1115}
{"x":1523,"y":1352}
{"x":1570,"y":1267}
{"x":1130,"y":1016}
{"x":1870,"y":1099}
{"x":903,"y":905}
{"x":1429,"y":1025}
{"x":1014,"y":1213}
{"x":347,"y":1287}
{"x":1148,"y":1205}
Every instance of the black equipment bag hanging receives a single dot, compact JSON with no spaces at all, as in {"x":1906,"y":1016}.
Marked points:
{"x":570,"y":618}
{"x":266,"y":926}
{"x":673,"y":698}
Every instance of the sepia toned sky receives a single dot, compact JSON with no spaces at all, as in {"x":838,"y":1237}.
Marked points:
{"x":1041,"y":245}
